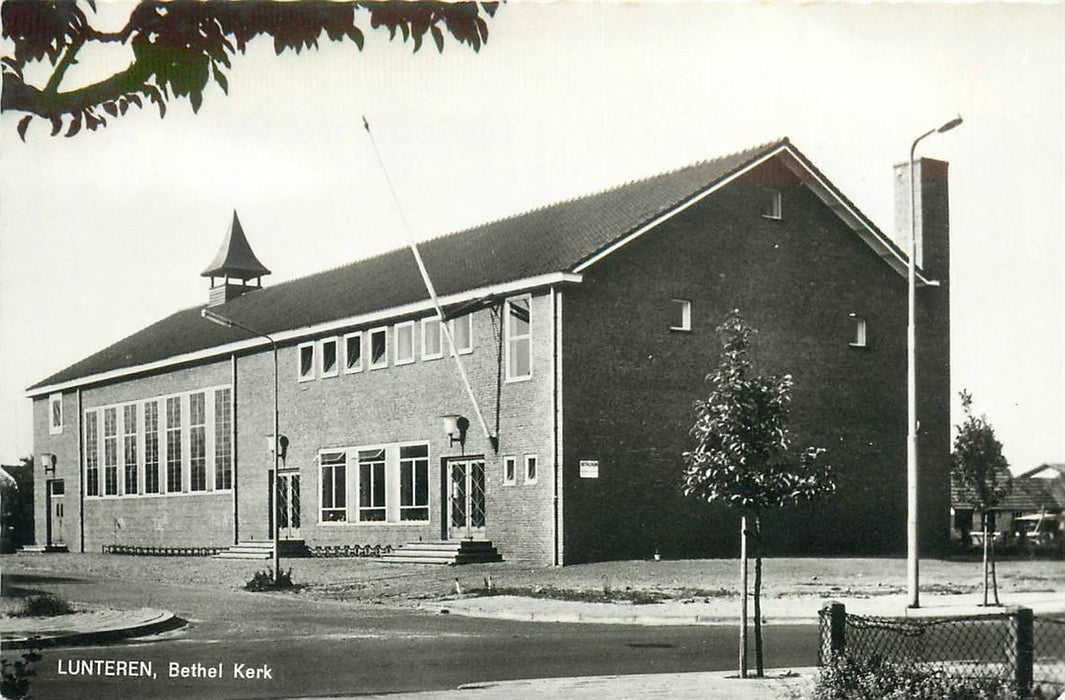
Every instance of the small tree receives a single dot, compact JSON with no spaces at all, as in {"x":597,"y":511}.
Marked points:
{"x":982,"y":472}
{"x":742,"y":455}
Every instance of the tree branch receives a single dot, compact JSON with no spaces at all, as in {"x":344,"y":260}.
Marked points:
{"x":61,"y":69}
{"x":18,"y":96}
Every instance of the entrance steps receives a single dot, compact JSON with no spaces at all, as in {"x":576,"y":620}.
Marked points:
{"x":445,"y":552}
{"x":41,"y":548}
{"x":264,"y":549}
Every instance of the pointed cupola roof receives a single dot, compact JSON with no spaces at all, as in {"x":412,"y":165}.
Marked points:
{"x":235,"y":258}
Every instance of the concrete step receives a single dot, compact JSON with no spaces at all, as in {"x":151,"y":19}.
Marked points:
{"x":444,"y":552}
{"x":42,"y":548}
{"x":264,"y":549}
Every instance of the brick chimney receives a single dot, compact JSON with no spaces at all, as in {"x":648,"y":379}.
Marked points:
{"x":931,"y":204}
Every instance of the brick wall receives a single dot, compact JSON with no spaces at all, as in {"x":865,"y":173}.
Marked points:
{"x":630,"y":382}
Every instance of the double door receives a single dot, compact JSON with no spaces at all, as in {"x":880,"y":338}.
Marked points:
{"x":466,"y":502}
{"x":288,"y":505}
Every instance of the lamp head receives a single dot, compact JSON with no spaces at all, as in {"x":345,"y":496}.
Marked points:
{"x":950,"y":125}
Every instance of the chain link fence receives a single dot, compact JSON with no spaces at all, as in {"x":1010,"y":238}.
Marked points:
{"x":1011,"y":645}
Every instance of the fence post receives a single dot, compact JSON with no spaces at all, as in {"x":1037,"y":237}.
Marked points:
{"x":833,"y":647}
{"x":1023,"y":633}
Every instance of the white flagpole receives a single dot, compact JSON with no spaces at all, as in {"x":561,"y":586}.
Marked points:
{"x":431,"y":289}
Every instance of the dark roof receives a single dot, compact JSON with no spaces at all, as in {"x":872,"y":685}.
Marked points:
{"x":555,"y":238}
{"x":1026,"y":494}
{"x":235,"y":257}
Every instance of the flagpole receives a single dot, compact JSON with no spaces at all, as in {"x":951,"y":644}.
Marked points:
{"x":431,"y":289}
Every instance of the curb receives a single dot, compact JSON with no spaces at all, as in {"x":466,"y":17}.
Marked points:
{"x":162,"y":622}
{"x":579,"y":618}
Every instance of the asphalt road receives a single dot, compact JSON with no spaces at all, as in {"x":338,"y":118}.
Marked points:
{"x":325,"y":648}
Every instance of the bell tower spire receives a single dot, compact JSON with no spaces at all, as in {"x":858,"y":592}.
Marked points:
{"x":236,"y":265}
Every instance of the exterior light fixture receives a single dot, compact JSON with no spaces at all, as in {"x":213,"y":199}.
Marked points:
{"x":48,"y":462}
{"x":455,"y":427}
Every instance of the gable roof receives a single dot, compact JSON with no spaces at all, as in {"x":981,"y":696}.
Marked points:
{"x":547,"y":245}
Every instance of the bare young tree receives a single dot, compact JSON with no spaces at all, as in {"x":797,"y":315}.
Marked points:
{"x":177,"y":47}
{"x":982,"y":472}
{"x":742,"y":456}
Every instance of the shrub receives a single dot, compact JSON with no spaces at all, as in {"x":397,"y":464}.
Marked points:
{"x":45,"y":605}
{"x":16,"y":676}
{"x":264,"y":581}
{"x":850,"y":678}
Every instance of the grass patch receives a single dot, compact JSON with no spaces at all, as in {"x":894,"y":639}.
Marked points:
{"x":44,"y":605}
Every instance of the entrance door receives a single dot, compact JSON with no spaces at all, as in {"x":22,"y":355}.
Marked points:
{"x":55,"y":512}
{"x":466,"y":512}
{"x":288,"y":506}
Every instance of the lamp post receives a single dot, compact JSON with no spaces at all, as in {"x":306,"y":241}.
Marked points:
{"x":911,"y":382}
{"x":230,"y":323}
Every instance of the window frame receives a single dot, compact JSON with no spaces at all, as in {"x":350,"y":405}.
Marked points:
{"x":342,"y":509}
{"x":453,"y":324}
{"x":383,"y":330}
{"x":383,"y":507}
{"x":510,"y":339}
{"x":426,"y":322}
{"x":310,"y":376}
{"x":55,"y":401}
{"x":774,"y":206}
{"x":510,"y":470}
{"x":535,"y":461}
{"x":401,"y":327}
{"x":415,"y":462}
{"x":362,"y":356}
{"x":861,"y":332}
{"x":685,"y":314}
{"x":323,"y":373}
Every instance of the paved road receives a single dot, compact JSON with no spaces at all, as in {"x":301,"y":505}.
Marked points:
{"x":323,"y":648}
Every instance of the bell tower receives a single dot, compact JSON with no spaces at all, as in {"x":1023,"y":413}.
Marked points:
{"x":234,"y":267}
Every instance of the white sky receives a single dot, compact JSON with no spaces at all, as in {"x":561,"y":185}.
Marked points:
{"x":107,"y":232}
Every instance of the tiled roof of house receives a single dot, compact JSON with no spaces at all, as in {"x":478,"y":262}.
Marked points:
{"x":1026,"y":494}
{"x":551,"y":239}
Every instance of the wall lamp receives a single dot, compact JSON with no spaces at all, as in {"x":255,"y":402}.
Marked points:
{"x":455,"y":428}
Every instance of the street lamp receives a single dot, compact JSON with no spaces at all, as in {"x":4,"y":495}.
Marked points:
{"x":911,"y":382}
{"x":230,"y":323}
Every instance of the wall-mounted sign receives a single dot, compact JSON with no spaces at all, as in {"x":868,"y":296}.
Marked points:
{"x":589,"y":468}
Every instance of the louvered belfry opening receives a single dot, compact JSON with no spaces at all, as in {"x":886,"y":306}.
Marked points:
{"x":235,"y":270}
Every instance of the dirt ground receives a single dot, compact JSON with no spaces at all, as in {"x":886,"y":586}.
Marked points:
{"x":368,"y":580}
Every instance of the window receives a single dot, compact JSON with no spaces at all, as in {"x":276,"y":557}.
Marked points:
{"x":530,"y":469}
{"x":432,"y":347}
{"x":334,"y":487}
{"x":414,"y":482}
{"x":772,"y":203}
{"x":859,"y":338}
{"x":173,"y":444}
{"x":198,"y":442}
{"x":129,"y":448}
{"x":519,"y":339}
{"x":372,"y":485}
{"x":92,"y":454}
{"x":305,"y":355}
{"x":462,"y":333}
{"x":55,"y":413}
{"x":330,"y":367}
{"x":223,"y":439}
{"x":510,"y":470}
{"x":110,"y":451}
{"x":352,"y":353}
{"x":682,"y":315}
{"x":151,"y":447}
{"x":378,"y":348}
{"x":404,"y":340}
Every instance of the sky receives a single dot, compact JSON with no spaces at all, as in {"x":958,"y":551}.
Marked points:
{"x":107,"y":232}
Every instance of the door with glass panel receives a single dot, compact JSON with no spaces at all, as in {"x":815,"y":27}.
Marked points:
{"x":288,"y":506}
{"x":466,"y":501}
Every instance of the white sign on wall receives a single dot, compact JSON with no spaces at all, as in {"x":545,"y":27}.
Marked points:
{"x":589,"y":468}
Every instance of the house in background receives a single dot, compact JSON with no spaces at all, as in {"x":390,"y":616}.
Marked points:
{"x":1031,"y":510}
{"x":585,"y":329}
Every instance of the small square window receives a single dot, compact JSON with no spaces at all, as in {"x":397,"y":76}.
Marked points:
{"x":404,"y":340}
{"x":328,"y":354}
{"x":531,"y":464}
{"x":772,"y":204}
{"x":432,"y":347}
{"x":682,"y":315}
{"x":378,"y":348}
{"x":510,"y":470}
{"x":462,"y":333}
{"x":352,"y":353}
{"x":55,"y":414}
{"x":860,"y":337}
{"x":305,"y":357}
